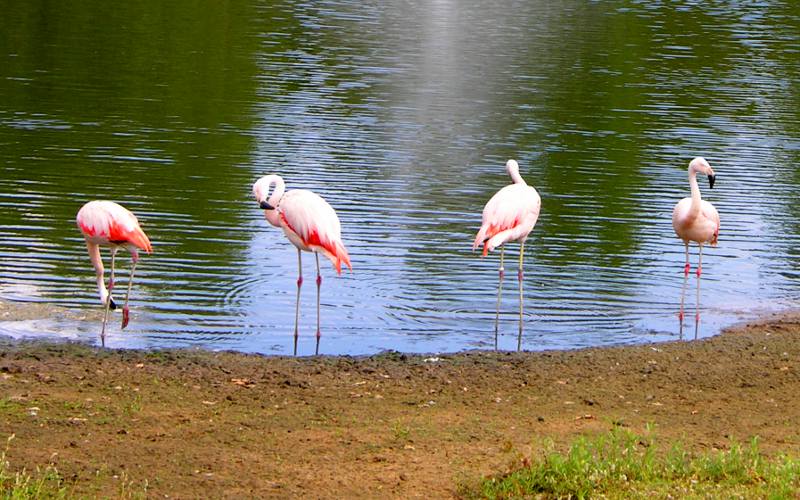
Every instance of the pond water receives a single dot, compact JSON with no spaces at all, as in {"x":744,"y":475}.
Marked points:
{"x":402,"y":115}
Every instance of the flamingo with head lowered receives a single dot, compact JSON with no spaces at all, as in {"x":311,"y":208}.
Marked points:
{"x":105,"y":223}
{"x":695,"y":219}
{"x":310,"y":224}
{"x":509,"y":216}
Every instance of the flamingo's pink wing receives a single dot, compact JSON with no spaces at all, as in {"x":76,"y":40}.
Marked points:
{"x":112,"y":222}
{"x":316,"y":224}
{"x":506,"y":210}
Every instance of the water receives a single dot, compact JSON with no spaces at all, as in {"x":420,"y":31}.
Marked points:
{"x":402,"y":115}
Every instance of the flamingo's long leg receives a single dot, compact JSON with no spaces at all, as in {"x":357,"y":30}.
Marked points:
{"x":683,"y":291}
{"x":108,"y":298}
{"x":319,"y":285}
{"x":697,"y":310}
{"x":501,"y":273}
{"x":521,"y":303}
{"x":297,"y":300}
{"x":125,"y":310}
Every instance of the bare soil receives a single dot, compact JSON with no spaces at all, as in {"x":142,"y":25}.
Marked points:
{"x":188,"y":424}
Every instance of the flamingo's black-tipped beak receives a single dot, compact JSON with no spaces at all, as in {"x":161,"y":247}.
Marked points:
{"x":711,"y":179}
{"x":111,"y":304}
{"x":266,"y":206}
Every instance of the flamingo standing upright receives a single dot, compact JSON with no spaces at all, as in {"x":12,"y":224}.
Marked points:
{"x":109,"y":224}
{"x":310,"y":224}
{"x":695,"y":219}
{"x":509,"y":216}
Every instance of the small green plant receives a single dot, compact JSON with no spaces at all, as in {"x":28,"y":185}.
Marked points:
{"x":22,"y":485}
{"x":9,"y":407}
{"x":621,"y":464}
{"x":401,"y":432}
{"x":72,"y":405}
{"x":134,"y":405}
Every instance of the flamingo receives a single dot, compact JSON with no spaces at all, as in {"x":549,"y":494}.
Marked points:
{"x":109,"y":224}
{"x":695,"y":219}
{"x":310,"y":224}
{"x":509,"y":216}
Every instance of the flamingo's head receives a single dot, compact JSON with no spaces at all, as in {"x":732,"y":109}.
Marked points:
{"x":261,"y":190}
{"x":700,"y":165}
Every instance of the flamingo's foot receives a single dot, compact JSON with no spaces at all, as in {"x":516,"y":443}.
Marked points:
{"x":125,"y":316}
{"x":686,"y":269}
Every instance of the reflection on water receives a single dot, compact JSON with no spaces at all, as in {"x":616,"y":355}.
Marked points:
{"x":402,"y":115}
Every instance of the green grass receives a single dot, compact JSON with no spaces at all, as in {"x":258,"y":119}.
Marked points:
{"x":48,"y":483}
{"x":9,"y":407}
{"x":44,"y":483}
{"x":621,"y":464}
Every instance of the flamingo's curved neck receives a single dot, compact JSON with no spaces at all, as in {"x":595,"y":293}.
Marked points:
{"x":277,"y":194}
{"x":694,"y":209}
{"x":97,"y":263}
{"x":273,"y":216}
{"x":514,"y":173}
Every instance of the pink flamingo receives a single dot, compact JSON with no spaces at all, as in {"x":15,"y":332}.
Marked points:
{"x":310,"y":223}
{"x":509,"y":216}
{"x":695,"y":220}
{"x":109,"y":224}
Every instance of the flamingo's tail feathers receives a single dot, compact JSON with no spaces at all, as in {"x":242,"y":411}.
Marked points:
{"x":135,"y":236}
{"x":480,"y":239}
{"x":139,"y":238}
{"x":345,"y":257}
{"x":498,"y":239}
{"x":342,"y":257}
{"x":338,"y":255}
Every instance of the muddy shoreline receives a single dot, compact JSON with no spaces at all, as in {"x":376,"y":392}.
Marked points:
{"x":189,"y":423}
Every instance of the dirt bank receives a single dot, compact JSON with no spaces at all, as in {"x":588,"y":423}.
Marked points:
{"x":199,"y":424}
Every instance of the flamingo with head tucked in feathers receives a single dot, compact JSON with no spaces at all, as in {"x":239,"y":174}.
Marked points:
{"x":310,"y":224}
{"x":105,"y":223}
{"x":695,"y":219}
{"x":509,"y":216}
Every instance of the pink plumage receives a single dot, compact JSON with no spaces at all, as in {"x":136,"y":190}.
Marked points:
{"x":695,"y":219}
{"x":315,"y":224}
{"x":105,"y":223}
{"x":509,"y":216}
{"x":310,"y":223}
